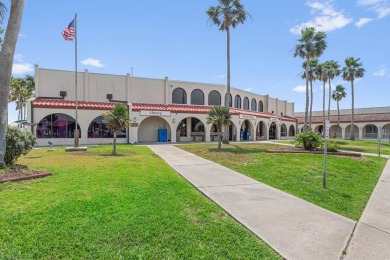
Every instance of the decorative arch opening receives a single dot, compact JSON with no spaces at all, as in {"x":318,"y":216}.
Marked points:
{"x":237,"y":101}
{"x":230,"y":100}
{"x":336,"y":131}
{"x":272,"y":131}
{"x":261,"y":131}
{"x":98,"y":128}
{"x":283,"y":130}
{"x":57,"y":126}
{"x":319,"y":129}
{"x":253,"y":104}
{"x":245,"y":130}
{"x":355,"y":132}
{"x":154,"y":129}
{"x":246,"y":103}
{"x":291,"y":131}
{"x":261,"y":108}
{"x":214,"y":98}
{"x":370,"y":131}
{"x":179,"y":96}
{"x":197,"y":97}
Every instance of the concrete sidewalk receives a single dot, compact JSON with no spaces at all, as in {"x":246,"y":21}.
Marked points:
{"x":371,"y":239}
{"x":295,"y":228}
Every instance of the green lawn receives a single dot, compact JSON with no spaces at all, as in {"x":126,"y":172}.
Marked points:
{"x":363,"y":146}
{"x":350,"y":180}
{"x":96,"y":206}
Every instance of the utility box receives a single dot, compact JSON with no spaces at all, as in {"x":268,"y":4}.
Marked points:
{"x":163,"y":135}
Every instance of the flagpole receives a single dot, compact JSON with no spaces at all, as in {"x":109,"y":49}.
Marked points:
{"x":76,"y":132}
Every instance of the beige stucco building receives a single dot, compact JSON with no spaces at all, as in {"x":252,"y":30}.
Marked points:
{"x":367,"y":122}
{"x":160,"y":109}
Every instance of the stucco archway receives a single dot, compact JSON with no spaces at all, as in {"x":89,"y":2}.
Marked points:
{"x":148,"y":130}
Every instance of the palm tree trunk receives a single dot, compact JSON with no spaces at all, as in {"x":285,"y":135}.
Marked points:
{"x":220,"y":138}
{"x":227,"y":97}
{"x":307,"y":96}
{"x":311,"y":103}
{"x":6,"y":59}
{"x":352,"y":136}
{"x":323,"y":106}
{"x":338,"y":119}
{"x":330,"y":94}
{"x":114,"y":151}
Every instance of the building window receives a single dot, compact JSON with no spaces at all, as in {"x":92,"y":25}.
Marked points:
{"x":197,"y":97}
{"x":261,"y":109}
{"x":253,"y":104}
{"x":98,"y":128}
{"x":57,"y":126}
{"x":230,"y":100}
{"x":291,"y":131}
{"x":214,"y":98}
{"x":237,"y":101}
{"x":246,"y":103}
{"x":179,"y":96}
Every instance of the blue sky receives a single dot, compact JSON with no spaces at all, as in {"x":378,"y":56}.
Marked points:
{"x":173,"y":38}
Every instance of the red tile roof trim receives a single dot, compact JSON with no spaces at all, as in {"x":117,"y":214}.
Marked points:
{"x":174,"y":108}
{"x":359,"y":118}
{"x":194,"y":109}
{"x":67,"y":104}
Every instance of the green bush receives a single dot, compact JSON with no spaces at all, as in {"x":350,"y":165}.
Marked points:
{"x":308,"y":140}
{"x":332,"y":146}
{"x":18,"y":142}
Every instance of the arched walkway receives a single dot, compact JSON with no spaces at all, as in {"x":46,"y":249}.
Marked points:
{"x":98,"y":128}
{"x":273,"y":134}
{"x":283,"y":131}
{"x":190,"y":129}
{"x":291,"y":131}
{"x":319,"y":129}
{"x":246,"y":130}
{"x":386,"y":132}
{"x":370,"y":131}
{"x":261,"y":131}
{"x":355,"y":132}
{"x":148,"y":130}
{"x":335,"y":131}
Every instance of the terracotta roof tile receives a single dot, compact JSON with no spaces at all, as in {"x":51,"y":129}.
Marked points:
{"x":67,"y":104}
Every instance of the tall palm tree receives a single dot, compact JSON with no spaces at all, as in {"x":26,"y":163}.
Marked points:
{"x":117,"y":118}
{"x":228,"y":14}
{"x":27,"y":93}
{"x":6,"y":59}
{"x":324,"y":78}
{"x":337,"y":95}
{"x":352,"y":70}
{"x":15,"y":94}
{"x":220,"y":116}
{"x":311,"y":45}
{"x":331,"y":70}
{"x":312,"y":73}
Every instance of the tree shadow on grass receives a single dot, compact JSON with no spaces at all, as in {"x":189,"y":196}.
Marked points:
{"x":342,"y":194}
{"x":236,"y":149}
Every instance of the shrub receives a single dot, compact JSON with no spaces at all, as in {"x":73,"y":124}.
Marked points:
{"x":308,"y":140}
{"x":332,"y":146}
{"x":18,"y":142}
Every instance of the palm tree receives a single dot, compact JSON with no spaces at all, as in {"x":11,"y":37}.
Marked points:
{"x":324,"y":78}
{"x":331,"y":70}
{"x":220,"y":116}
{"x":229,"y":13}
{"x":6,"y":60}
{"x":15,"y":93}
{"x":117,"y":118}
{"x":312,"y":73}
{"x":27,"y":93}
{"x":352,"y":70}
{"x":338,"y":94}
{"x":311,"y":45}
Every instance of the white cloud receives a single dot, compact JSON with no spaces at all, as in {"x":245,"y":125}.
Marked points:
{"x":300,"y":88}
{"x":22,"y":68}
{"x":248,"y":89}
{"x":382,"y":12}
{"x":380,"y":7}
{"x":219,"y":77}
{"x":362,"y":22}
{"x":382,"y":72}
{"x":92,"y":62}
{"x":326,"y":19}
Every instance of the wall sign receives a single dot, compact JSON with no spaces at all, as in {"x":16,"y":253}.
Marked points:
{"x":247,"y":117}
{"x":133,"y":124}
{"x":274,"y":119}
{"x":155,"y":113}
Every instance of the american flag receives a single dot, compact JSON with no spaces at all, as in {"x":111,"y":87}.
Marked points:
{"x":69,"y":32}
